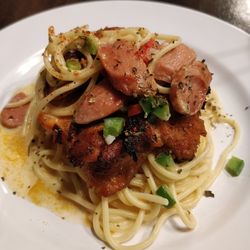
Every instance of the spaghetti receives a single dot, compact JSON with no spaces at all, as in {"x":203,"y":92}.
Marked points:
{"x":116,"y":219}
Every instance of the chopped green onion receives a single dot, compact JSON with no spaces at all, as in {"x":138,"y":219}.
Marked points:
{"x":162,"y":112}
{"x":165,"y":193}
{"x":73,"y":64}
{"x":91,"y":44}
{"x":234,"y":166}
{"x":113,"y":127}
{"x":165,"y":160}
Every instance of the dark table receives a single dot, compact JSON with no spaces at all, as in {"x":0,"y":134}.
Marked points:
{"x":236,"y":12}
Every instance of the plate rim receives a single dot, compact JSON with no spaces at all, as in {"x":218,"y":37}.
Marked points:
{"x":173,"y":5}
{"x":158,"y":2}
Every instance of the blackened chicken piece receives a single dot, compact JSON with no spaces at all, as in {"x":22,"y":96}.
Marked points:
{"x":181,"y":136}
{"x":140,"y":136}
{"x":57,"y":127}
{"x":110,"y":168}
{"x":110,"y":152}
{"x":125,"y":69}
{"x":107,"y":168}
{"x":108,"y":178}
{"x":87,"y":145}
{"x":135,"y":136}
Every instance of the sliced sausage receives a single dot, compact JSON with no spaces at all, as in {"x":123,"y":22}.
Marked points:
{"x":189,"y":87}
{"x":14,"y":117}
{"x":99,"y":102}
{"x":172,"y":62}
{"x":126,"y":70}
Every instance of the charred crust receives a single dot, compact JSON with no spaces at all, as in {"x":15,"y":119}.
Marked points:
{"x":100,"y":168}
{"x":180,"y":85}
{"x":135,"y":139}
{"x":57,"y":132}
{"x":208,"y":91}
{"x":130,"y":148}
{"x":134,"y":70}
{"x":135,"y":124}
{"x":75,"y":161}
{"x":74,"y":129}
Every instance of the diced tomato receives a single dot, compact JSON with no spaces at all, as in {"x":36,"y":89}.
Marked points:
{"x":134,"y":109}
{"x":143,"y":52}
{"x":148,"y":45}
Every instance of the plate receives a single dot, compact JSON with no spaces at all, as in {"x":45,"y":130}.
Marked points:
{"x":223,"y":220}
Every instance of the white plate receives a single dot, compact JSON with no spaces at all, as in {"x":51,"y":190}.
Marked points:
{"x":223,"y":222}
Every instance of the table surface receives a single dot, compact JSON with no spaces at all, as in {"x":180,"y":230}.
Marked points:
{"x":236,"y":12}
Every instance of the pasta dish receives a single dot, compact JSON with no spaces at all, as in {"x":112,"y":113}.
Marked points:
{"x":119,"y":122}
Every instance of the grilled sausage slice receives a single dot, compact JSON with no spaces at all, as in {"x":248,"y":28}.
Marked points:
{"x":100,"y":101}
{"x":126,"y":70}
{"x":172,"y":62}
{"x":189,"y":87}
{"x":14,"y":117}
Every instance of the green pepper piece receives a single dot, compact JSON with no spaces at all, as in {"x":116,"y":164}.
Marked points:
{"x":73,"y":64}
{"x":157,"y":106}
{"x":113,"y":126}
{"x":162,"y":112}
{"x":165,"y":160}
{"x":165,"y":193}
{"x":234,"y":166}
{"x":91,"y":44}
{"x":147,"y":105}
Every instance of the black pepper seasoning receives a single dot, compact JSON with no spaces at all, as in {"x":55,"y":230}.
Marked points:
{"x":208,"y":193}
{"x":134,"y":70}
{"x":179,"y":171}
